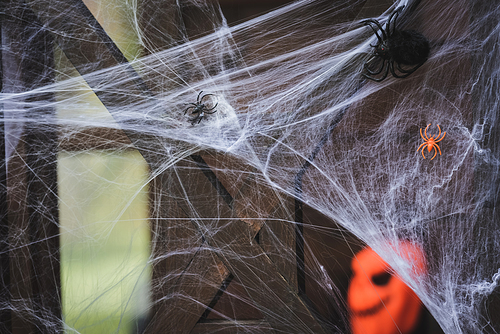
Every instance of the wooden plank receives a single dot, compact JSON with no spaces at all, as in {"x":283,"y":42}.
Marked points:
{"x":5,"y":312}
{"x":270,"y":214}
{"x":230,"y":327}
{"x":186,"y":274}
{"x":266,"y":212}
{"x":232,"y":302}
{"x":20,"y":257}
{"x":278,"y":239}
{"x":90,"y":49}
{"x":76,"y":139}
{"x":188,"y":297}
{"x":264,"y":209}
{"x":159,"y":22}
{"x":484,"y":67}
{"x":232,"y":239}
{"x":32,"y":176}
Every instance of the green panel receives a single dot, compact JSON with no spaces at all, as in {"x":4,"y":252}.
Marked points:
{"x":105,"y":238}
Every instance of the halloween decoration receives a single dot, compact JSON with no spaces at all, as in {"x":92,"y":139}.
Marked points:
{"x":199,"y":109}
{"x":430,"y":143}
{"x":397,"y":48}
{"x":379,"y":301}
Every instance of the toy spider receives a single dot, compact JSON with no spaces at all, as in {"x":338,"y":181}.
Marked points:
{"x":430,"y":143}
{"x":200,"y":109}
{"x":397,"y":48}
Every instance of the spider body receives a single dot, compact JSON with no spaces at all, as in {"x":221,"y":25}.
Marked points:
{"x":395,"y":48}
{"x":200,"y":109}
{"x":431,"y":143}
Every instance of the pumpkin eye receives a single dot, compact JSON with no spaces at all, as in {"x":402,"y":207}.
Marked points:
{"x":381,"y":279}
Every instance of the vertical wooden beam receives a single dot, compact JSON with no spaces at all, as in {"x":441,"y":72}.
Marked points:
{"x":5,"y":300}
{"x":485,"y":97}
{"x":32,"y":175}
{"x":186,"y":275}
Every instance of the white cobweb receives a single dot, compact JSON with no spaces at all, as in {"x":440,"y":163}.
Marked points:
{"x":280,"y":80}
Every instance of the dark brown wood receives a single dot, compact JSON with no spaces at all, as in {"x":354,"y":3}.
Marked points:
{"x":245,"y":259}
{"x":187,"y":275}
{"x":32,"y":176}
{"x":274,"y":224}
{"x":265,"y":212}
{"x":20,"y":258}
{"x":232,"y":302}
{"x":230,"y":327}
{"x":5,"y":298}
{"x":484,"y":56}
{"x":160,"y":21}
{"x":75,"y":139}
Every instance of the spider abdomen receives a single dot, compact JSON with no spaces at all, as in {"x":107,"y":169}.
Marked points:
{"x":408,"y":47}
{"x":430,"y":144}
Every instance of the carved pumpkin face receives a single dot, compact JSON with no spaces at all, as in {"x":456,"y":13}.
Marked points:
{"x":380,"y":303}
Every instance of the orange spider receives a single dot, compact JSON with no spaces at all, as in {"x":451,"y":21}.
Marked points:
{"x":430,"y":143}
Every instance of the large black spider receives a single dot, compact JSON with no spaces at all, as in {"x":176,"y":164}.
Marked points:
{"x":397,"y":47}
{"x":200,"y":109}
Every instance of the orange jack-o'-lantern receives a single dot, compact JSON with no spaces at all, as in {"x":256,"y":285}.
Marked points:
{"x":379,"y":302}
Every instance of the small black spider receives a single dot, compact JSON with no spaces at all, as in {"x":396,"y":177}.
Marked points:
{"x":399,"y":47}
{"x":200,"y":109}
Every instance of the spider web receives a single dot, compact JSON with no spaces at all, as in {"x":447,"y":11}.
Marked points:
{"x":312,"y":159}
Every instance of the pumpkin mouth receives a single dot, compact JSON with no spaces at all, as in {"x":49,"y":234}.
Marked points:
{"x":372,"y":310}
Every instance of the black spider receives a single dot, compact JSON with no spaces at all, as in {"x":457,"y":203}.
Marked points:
{"x":200,"y":109}
{"x":400,"y":47}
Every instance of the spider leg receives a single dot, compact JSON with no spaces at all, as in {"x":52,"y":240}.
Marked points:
{"x":425,"y":132}
{"x":435,"y":153}
{"x":378,"y":79}
{"x":421,"y":135}
{"x":402,"y":70}
{"x":205,"y":96}
{"x":392,"y":19}
{"x":198,"y":97}
{"x":438,"y":149}
{"x":185,"y":111}
{"x":406,"y":72}
{"x":384,"y":36}
{"x":209,"y":111}
{"x":196,"y":118}
{"x":213,"y":107}
{"x":420,"y":146}
{"x":378,"y":71}
{"x":391,"y":66}
{"x":201,"y":117}
{"x":444,"y":134}
{"x":423,"y":152}
{"x":439,"y":132}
